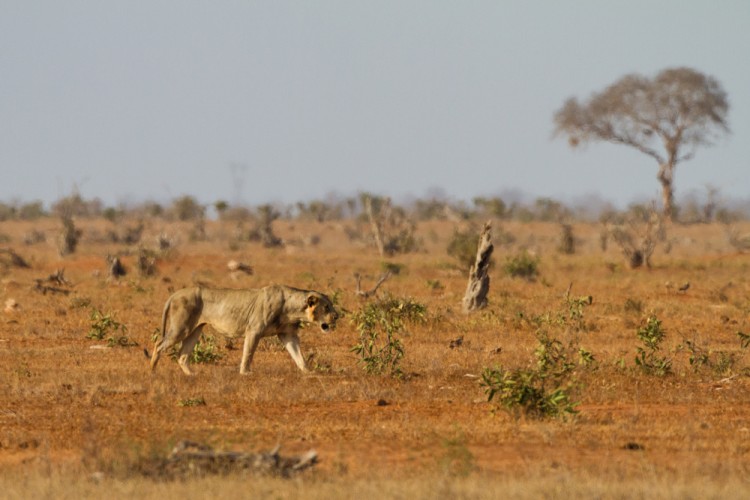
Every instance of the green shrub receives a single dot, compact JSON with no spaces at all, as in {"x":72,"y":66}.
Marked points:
{"x":633,"y":306}
{"x":523,"y":266}
{"x":525,"y":391}
{"x":105,"y":326}
{"x":463,"y":247}
{"x":575,"y":307}
{"x":652,"y":335}
{"x":391,"y":267}
{"x":744,"y":339}
{"x":102,"y":324}
{"x":721,"y":363}
{"x":541,"y":391}
{"x":379,"y":323}
{"x":570,"y":318}
{"x":206,"y":351}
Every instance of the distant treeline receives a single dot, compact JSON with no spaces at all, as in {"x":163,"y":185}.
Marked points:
{"x":706,"y":208}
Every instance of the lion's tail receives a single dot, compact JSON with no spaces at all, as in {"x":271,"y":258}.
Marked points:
{"x":164,"y":316}
{"x":157,"y":343}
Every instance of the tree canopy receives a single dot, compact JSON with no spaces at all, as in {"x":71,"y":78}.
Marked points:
{"x":667,"y":118}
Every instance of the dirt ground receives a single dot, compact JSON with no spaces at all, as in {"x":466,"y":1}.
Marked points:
{"x":75,"y":404}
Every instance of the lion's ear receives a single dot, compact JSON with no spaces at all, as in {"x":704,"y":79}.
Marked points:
{"x":311,"y":300}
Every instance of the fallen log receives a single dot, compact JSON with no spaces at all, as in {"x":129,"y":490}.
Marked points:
{"x":190,"y":459}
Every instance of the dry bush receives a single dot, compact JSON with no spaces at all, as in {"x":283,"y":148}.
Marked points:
{"x":34,"y":237}
{"x":567,"y":240}
{"x":638,"y":237}
{"x":740,"y":242}
{"x":392,"y":230}
{"x":69,"y":237}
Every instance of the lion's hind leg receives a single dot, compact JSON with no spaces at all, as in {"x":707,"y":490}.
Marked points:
{"x":187,"y":349}
{"x":157,"y":353}
{"x":162,"y":345}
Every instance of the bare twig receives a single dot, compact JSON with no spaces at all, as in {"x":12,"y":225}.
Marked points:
{"x":369,"y":293}
{"x":58,"y":277}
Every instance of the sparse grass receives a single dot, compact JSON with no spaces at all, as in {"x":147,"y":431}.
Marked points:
{"x":409,"y":446}
{"x":532,"y":483}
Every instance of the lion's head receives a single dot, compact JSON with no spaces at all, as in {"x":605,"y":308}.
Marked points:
{"x":320,"y":310}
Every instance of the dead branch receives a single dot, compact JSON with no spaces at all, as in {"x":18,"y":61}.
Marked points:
{"x":58,"y":277}
{"x":369,"y":293}
{"x":479,"y":279}
{"x":14,"y":259}
{"x":455,"y":343}
{"x":194,"y":459}
{"x":39,"y":286}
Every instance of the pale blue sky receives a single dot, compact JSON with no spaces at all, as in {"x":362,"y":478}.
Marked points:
{"x":138,"y":100}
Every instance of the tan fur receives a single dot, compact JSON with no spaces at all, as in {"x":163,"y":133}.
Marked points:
{"x":255,"y":313}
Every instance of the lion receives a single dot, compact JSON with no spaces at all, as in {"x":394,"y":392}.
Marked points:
{"x":255,"y":313}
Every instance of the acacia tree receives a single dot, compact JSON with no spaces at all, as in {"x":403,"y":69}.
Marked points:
{"x":666,"y":118}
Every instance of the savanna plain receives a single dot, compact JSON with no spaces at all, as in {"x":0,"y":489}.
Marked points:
{"x":80,"y":412}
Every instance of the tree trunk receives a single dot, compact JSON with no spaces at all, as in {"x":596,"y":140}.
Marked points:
{"x":666,"y":174}
{"x":479,"y":279}
{"x":375,"y":224}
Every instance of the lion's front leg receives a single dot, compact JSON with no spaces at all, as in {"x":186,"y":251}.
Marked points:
{"x":291,"y":342}
{"x":252,"y":339}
